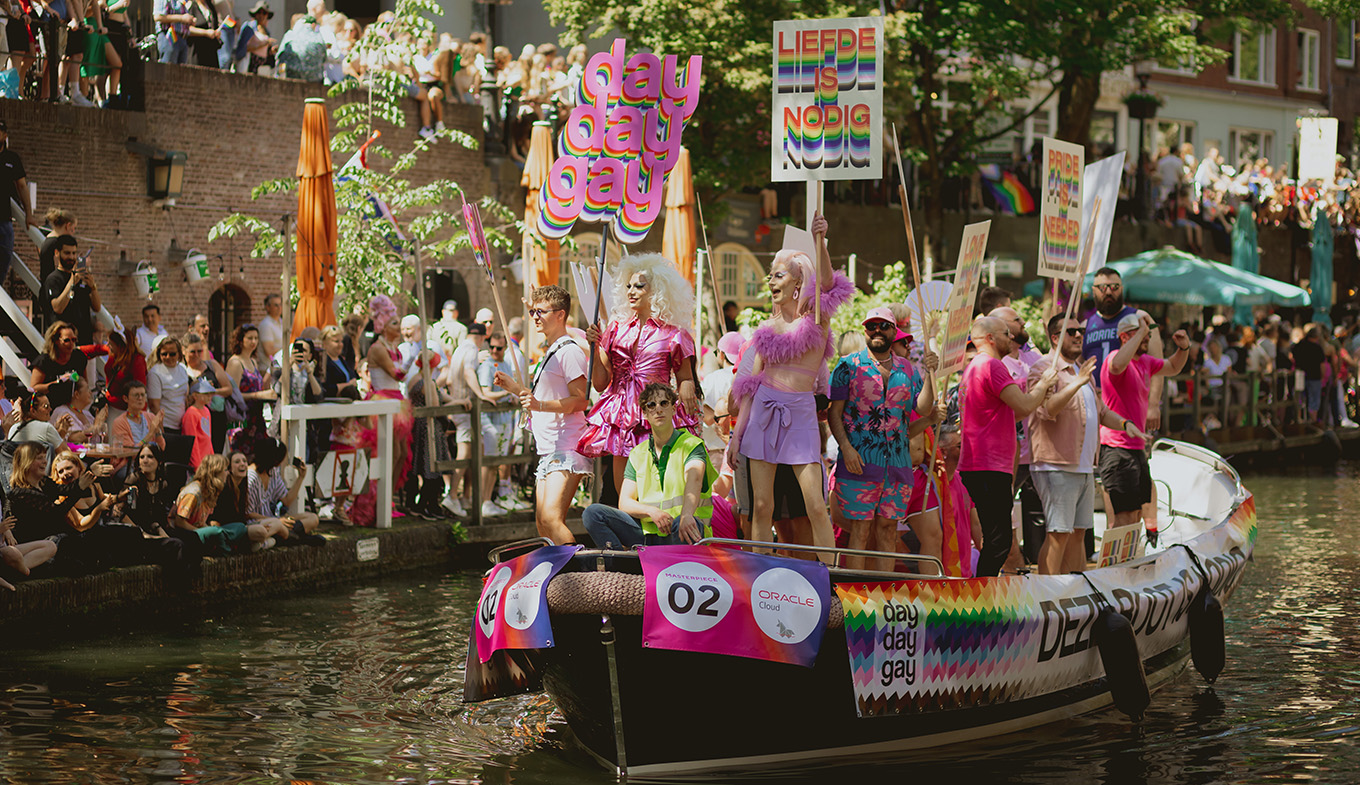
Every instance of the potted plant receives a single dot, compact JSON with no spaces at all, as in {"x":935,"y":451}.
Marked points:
{"x":1143,"y":104}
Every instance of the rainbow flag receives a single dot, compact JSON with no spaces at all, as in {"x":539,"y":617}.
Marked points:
{"x":1010,"y":194}
{"x":472,"y":218}
{"x":229,"y":23}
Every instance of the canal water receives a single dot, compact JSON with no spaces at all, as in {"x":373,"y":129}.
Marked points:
{"x":363,"y":685}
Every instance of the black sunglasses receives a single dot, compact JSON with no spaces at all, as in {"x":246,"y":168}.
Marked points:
{"x":880,"y":326}
{"x":1075,"y":331}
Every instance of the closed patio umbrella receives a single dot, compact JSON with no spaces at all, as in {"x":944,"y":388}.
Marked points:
{"x":540,"y":261}
{"x":1246,"y":256}
{"x":1320,"y":277}
{"x":677,"y":238}
{"x":316,"y":232}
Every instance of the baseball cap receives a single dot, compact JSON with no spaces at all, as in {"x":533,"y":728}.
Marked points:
{"x":1130,"y":323}
{"x":450,"y":304}
{"x":203,"y":387}
{"x":730,"y":345}
{"x":881,"y":313}
{"x":484,"y":315}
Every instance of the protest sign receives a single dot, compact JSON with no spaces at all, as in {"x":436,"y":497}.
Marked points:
{"x":827,"y":102}
{"x":1060,"y":210}
{"x":620,"y":143}
{"x":972,"y":248}
{"x":1099,"y":183}
{"x":1317,"y":148}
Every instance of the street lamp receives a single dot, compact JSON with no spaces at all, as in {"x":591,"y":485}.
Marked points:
{"x":1142,"y":105}
{"x":165,"y":175}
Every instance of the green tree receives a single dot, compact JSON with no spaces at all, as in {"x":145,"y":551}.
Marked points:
{"x":370,"y":257}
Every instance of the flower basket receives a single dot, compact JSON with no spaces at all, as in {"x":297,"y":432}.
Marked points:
{"x":1143,"y":104}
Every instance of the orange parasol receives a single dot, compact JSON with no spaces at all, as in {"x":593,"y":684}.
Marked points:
{"x":677,"y":239}
{"x":540,"y":262}
{"x":316,"y":232}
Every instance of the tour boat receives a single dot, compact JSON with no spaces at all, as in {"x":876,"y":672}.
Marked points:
{"x":904,"y":661}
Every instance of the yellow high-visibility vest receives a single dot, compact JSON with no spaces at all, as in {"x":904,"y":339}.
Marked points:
{"x":664,"y":486}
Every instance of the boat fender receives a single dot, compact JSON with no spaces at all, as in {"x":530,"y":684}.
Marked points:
{"x":1112,"y":634}
{"x":1208,"y":647}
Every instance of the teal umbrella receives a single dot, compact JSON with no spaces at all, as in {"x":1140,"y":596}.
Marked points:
{"x":1320,"y":277}
{"x":1171,"y":276}
{"x":1246,"y":255}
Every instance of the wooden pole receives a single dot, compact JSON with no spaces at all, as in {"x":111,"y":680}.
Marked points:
{"x":286,"y":359}
{"x":427,"y":383}
{"x":595,"y":319}
{"x":520,"y":371}
{"x":816,"y":265}
{"x":1081,"y":275}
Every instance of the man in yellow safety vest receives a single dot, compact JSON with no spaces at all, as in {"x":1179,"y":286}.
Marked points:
{"x":667,"y":484}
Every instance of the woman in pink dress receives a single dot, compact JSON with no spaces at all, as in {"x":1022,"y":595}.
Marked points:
{"x":646,"y":341}
{"x":385,"y":377}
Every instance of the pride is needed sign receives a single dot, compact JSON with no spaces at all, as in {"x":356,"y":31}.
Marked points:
{"x":827,"y":100}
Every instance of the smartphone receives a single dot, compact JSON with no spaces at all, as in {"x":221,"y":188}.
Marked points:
{"x":83,"y":263}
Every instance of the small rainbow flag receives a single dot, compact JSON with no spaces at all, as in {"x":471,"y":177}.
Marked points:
{"x":229,"y":23}
{"x":1011,"y":195}
{"x":472,"y":219}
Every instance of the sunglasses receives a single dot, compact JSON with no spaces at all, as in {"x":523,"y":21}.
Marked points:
{"x":880,"y":326}
{"x":1108,"y":287}
{"x":1075,"y":331}
{"x":650,"y":405}
{"x":539,"y":313}
{"x":496,"y":348}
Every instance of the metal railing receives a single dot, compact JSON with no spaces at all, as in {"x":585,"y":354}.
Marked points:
{"x":1250,"y":400}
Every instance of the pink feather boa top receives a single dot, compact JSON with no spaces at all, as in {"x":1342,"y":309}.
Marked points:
{"x":777,"y":348}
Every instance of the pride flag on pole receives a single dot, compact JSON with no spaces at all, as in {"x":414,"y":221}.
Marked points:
{"x":1010,"y":194}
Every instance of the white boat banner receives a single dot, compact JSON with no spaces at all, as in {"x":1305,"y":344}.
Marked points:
{"x":924,"y":645}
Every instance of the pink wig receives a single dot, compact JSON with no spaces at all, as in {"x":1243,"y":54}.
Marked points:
{"x":801,"y":267}
{"x":381,"y":311}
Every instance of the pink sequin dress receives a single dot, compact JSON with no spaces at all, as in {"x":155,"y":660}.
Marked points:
{"x":640,"y":353}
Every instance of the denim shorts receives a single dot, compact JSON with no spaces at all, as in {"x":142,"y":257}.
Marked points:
{"x":566,"y":461}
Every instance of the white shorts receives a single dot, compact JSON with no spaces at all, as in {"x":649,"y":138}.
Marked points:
{"x":1069,"y":499}
{"x":571,"y":462}
{"x":463,"y":424}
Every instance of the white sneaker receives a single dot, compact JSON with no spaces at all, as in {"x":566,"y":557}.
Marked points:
{"x":491,"y":510}
{"x":79,"y":99}
{"x":262,"y":546}
{"x":439,"y":126}
{"x":513,"y":503}
{"x":454,"y":506}
{"x":427,"y":133}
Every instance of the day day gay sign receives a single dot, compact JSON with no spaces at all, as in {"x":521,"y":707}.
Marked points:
{"x":967,"y":275}
{"x":827,"y":107}
{"x":620,"y":143}
{"x":1060,"y":210}
{"x":512,"y":612}
{"x":721,"y":601}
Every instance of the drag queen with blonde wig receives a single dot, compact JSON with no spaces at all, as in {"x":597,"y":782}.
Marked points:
{"x":647,"y":340}
{"x":778,"y":419}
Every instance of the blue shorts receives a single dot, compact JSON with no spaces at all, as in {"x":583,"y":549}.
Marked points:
{"x":865,"y":500}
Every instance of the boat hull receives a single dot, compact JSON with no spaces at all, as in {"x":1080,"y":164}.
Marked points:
{"x":692,"y":714}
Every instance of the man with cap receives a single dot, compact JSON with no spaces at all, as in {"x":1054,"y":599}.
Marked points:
{"x":448,"y":333}
{"x":1125,"y":380}
{"x":873,"y":395}
{"x":256,"y":40}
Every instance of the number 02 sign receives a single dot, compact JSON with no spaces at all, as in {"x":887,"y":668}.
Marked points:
{"x":730,"y":602}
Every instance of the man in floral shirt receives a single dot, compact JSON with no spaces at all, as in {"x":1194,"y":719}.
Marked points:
{"x":873,"y":394}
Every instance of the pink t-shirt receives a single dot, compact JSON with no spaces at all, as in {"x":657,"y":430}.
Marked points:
{"x":1127,"y":395}
{"x":198,"y":423}
{"x":988,"y":422}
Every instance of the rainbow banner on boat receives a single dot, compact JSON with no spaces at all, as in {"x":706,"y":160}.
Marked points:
{"x":722,"y":601}
{"x":512,"y":612}
{"x":827,"y":100}
{"x":933,"y":645}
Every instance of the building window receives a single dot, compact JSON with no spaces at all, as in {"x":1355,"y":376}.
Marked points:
{"x":742,"y":276}
{"x":1248,"y":144}
{"x":1171,"y":134}
{"x":1309,"y":46}
{"x":1345,"y":43}
{"x":228,"y":307}
{"x":1253,"y":58}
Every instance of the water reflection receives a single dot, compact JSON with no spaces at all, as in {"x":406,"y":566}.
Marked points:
{"x":364,"y":685}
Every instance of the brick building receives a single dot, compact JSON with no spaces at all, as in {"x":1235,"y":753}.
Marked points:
{"x":237,"y":132}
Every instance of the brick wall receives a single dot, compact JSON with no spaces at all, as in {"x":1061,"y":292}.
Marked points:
{"x":238,"y":131}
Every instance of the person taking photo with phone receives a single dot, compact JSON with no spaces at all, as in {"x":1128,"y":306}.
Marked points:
{"x":70,"y":293}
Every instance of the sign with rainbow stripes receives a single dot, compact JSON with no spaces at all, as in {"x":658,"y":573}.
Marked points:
{"x":931,"y":645}
{"x":722,"y":601}
{"x":512,"y":612}
{"x":620,"y":143}
{"x":967,"y":276}
{"x":827,"y":100}
{"x":1060,"y":210}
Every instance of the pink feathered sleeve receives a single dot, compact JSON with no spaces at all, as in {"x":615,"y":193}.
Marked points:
{"x":842,"y":289}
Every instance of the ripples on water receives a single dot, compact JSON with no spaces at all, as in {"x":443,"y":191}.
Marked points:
{"x":364,"y":686}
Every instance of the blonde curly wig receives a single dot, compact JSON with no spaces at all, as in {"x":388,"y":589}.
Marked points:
{"x":672,"y":295}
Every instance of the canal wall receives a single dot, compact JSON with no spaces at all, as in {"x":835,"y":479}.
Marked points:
{"x":350,"y":555}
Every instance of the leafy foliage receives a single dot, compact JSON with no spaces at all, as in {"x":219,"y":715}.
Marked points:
{"x":371,"y":258}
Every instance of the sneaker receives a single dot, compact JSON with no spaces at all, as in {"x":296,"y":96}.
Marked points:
{"x":454,"y":506}
{"x":427,"y":133}
{"x":491,"y":510}
{"x":79,"y":99}
{"x":513,"y":503}
{"x":262,"y":546}
{"x":439,"y":126}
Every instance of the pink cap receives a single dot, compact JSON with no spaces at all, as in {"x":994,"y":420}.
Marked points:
{"x":730,"y":345}
{"x":881,"y":313}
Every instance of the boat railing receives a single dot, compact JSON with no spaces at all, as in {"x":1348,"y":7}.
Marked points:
{"x":494,"y":555}
{"x":840,"y":552}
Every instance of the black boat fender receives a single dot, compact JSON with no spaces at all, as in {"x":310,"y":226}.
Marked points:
{"x":1208,"y":647}
{"x":1112,"y":633}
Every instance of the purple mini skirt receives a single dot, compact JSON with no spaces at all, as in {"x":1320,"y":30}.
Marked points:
{"x":782,"y":428}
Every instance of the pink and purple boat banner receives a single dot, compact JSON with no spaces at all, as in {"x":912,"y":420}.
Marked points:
{"x":512,"y":612}
{"x":722,"y":601}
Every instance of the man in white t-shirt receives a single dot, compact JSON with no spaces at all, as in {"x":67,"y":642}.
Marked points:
{"x":1170,"y":174}
{"x":556,"y":399}
{"x":459,"y":377}
{"x":271,"y":326}
{"x":448,"y":333}
{"x":150,"y":333}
